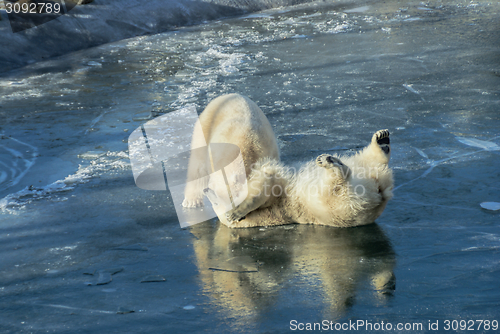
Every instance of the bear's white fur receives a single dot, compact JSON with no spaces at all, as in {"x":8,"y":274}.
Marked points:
{"x":336,"y":191}
{"x":232,"y":119}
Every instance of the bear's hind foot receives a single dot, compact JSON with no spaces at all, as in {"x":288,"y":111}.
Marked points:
{"x":331,"y":162}
{"x":381,"y":137}
{"x":328,"y":161}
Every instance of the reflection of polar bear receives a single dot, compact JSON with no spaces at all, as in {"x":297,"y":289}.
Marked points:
{"x":347,"y":191}
{"x":253,"y":272}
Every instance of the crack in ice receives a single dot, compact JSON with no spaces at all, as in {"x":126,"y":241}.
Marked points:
{"x":486,"y":146}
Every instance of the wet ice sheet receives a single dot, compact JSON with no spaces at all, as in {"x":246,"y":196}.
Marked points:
{"x":327,"y":76}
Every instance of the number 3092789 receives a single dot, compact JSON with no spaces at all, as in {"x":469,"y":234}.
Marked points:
{"x":470,"y":325}
{"x":33,"y":8}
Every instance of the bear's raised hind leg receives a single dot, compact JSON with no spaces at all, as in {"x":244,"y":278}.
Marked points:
{"x":381,"y":138}
{"x":331,"y":162}
{"x":379,"y":150}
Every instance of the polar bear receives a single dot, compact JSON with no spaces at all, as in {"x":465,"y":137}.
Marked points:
{"x":332,"y":190}
{"x":230,"y":119}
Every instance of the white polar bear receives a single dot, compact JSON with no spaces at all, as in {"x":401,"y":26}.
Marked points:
{"x":232,"y":119}
{"x":335,"y":191}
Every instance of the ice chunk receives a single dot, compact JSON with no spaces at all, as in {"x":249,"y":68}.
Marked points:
{"x":145,"y":116}
{"x":413,"y":19}
{"x":104,"y":276}
{"x":493,"y":206}
{"x":123,"y":310}
{"x":153,"y":278}
{"x":411,"y":89}
{"x":357,"y":10}
{"x":238,"y":264}
{"x":485,"y":145}
{"x":91,"y":155}
{"x":257,"y":16}
{"x":422,"y":153}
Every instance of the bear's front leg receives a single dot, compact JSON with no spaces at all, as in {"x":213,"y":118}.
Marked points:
{"x":250,"y":204}
{"x":240,"y":212}
{"x":197,"y":180}
{"x":330,"y":162}
{"x":193,"y":195}
{"x":259,"y":191}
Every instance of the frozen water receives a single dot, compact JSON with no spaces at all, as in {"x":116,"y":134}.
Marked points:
{"x":327,"y":75}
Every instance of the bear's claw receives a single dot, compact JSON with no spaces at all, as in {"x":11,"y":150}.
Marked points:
{"x":382,"y":136}
{"x":192,"y":203}
{"x":234,"y":217}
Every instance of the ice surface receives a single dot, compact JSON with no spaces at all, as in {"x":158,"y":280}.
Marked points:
{"x":16,"y":159}
{"x":104,"y":163}
{"x":69,"y":204}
